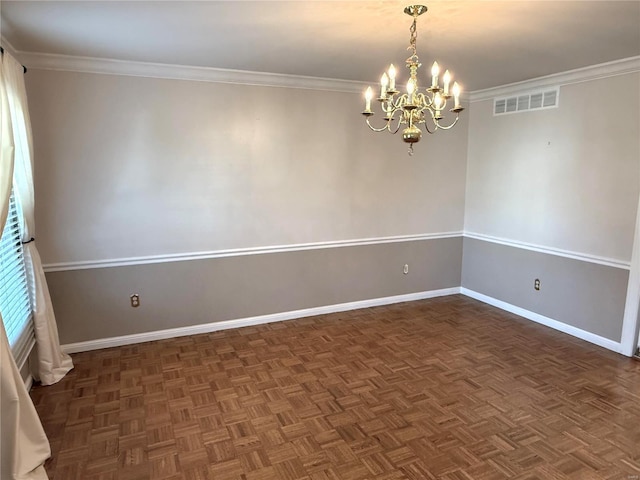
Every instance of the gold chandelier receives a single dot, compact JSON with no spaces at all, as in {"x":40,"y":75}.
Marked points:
{"x":414,"y":107}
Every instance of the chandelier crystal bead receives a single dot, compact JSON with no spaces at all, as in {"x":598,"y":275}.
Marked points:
{"x":414,"y":107}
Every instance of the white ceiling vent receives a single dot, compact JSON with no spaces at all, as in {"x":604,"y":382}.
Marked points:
{"x":537,"y":100}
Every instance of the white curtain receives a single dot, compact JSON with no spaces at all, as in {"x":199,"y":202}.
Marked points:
{"x":23,"y":444}
{"x":53,"y":364}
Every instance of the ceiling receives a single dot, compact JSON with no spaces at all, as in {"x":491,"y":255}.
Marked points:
{"x":484,"y":43}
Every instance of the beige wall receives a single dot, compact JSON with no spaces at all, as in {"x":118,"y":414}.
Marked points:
{"x":130,"y":166}
{"x":565,"y":178}
{"x":134,"y":167}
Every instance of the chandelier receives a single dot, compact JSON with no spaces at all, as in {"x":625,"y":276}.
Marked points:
{"x":414,"y":107}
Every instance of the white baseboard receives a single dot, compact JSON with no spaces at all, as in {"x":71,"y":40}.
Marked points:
{"x":549,"y":322}
{"x":28,"y":382}
{"x":250,"y":321}
{"x":341,"y":307}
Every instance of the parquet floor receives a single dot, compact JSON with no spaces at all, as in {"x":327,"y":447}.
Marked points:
{"x":447,"y":388}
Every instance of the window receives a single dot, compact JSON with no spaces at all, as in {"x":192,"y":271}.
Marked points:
{"x":15,"y":304}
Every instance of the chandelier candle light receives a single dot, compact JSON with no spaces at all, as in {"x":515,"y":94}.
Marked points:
{"x":414,"y":107}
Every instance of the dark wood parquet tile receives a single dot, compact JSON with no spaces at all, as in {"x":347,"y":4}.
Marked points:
{"x":446,"y":389}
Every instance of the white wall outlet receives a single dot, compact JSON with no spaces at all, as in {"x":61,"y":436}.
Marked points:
{"x":405,"y":270}
{"x":135,"y":300}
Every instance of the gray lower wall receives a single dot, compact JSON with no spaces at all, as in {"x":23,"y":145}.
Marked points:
{"x":582,"y":294}
{"x":92,"y":304}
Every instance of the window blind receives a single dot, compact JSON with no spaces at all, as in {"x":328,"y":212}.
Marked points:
{"x":15,"y":304}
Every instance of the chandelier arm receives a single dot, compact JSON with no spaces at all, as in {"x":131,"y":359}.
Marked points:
{"x":426,"y":127}
{"x":429,"y":101}
{"x":392,"y":107}
{"x":421,"y":99}
{"x":386,"y":127}
{"x":397,"y":126}
{"x":397,"y":105}
{"x":450,"y":126}
{"x":386,"y":111}
{"x":433,"y":116}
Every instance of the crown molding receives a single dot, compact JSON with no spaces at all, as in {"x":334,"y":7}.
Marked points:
{"x":107,"y":66}
{"x":585,"y":74}
{"x":6,"y":44}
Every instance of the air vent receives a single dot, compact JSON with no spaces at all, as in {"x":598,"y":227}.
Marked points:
{"x":527,"y":101}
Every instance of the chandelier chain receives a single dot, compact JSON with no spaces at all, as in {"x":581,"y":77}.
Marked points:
{"x":412,"y":41}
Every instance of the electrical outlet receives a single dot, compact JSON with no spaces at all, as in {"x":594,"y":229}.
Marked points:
{"x":405,"y":270}
{"x":536,"y":284}
{"x":135,"y":300}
